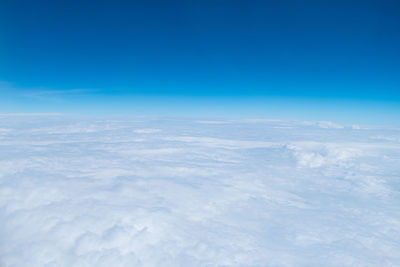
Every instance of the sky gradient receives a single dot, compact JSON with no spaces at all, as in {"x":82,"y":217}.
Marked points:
{"x":336,"y":60}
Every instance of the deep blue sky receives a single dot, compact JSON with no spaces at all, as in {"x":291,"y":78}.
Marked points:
{"x":292,"y":59}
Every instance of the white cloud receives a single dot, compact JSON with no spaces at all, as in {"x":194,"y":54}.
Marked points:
{"x":329,"y":125}
{"x":147,"y":130}
{"x":384,"y":138}
{"x":212,"y":122}
{"x":91,"y":193}
{"x":258,"y":120}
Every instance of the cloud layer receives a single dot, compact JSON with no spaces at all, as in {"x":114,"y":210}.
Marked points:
{"x":164,"y":192}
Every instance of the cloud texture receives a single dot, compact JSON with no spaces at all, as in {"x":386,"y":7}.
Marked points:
{"x":165,"y":192}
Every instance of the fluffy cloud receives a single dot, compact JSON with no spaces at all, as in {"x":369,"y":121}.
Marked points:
{"x":183,"y":193}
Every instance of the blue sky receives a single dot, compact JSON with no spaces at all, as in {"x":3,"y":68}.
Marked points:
{"x":336,"y":60}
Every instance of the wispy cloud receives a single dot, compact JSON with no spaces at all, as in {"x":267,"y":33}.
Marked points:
{"x":61,"y":92}
{"x":42,"y":93}
{"x":4,"y":84}
{"x":55,"y":95}
{"x":41,"y":114}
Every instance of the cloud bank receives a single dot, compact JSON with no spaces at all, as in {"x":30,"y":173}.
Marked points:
{"x":165,"y":192}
